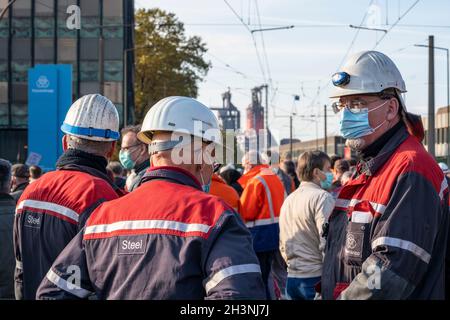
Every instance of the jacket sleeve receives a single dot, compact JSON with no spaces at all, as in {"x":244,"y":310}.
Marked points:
{"x":231,"y":267}
{"x":402,"y":241}
{"x":251,"y":201}
{"x":324,"y":207}
{"x":18,"y":273}
{"x":68,"y":278}
{"x":285,"y":209}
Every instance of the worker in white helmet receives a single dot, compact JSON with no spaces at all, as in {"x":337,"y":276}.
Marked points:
{"x":169,"y":238}
{"x":53,"y":209}
{"x":387,"y":235}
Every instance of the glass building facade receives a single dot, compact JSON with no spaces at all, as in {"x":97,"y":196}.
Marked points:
{"x":35,"y":32}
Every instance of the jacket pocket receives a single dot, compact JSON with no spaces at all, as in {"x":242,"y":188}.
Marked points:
{"x":357,"y":246}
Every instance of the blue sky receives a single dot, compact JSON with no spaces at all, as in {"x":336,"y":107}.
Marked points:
{"x":301,"y":60}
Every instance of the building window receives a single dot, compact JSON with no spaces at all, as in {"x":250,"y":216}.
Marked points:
{"x":3,"y":92}
{"x":3,"y":71}
{"x":114,"y":91}
{"x":19,"y":115}
{"x":21,"y":49}
{"x":3,"y":49}
{"x":21,"y":27}
{"x":44,"y":27}
{"x":22,"y":8}
{"x":89,"y":87}
{"x":4,"y":113}
{"x":4,"y":27}
{"x":67,"y":50}
{"x":63,"y":31}
{"x":113,"y":70}
{"x":112,"y":28}
{"x":90,"y":27}
{"x":89,"y":71}
{"x":44,"y":7}
{"x":44,"y":49}
{"x":113,"y":49}
{"x":20,"y":92}
{"x":20,"y":70}
{"x":89,"y":49}
{"x":113,"y":8}
{"x":90,"y":8}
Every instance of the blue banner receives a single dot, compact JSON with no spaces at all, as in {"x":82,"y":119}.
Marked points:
{"x":49,"y":98}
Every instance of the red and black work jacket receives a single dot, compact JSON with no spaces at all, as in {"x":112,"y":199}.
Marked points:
{"x":165,"y":240}
{"x":51,"y":211}
{"x":387,"y":234}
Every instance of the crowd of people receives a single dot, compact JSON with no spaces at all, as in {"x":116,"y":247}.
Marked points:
{"x":167,"y":221}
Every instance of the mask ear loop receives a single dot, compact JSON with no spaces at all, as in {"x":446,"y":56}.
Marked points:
{"x":379,"y":126}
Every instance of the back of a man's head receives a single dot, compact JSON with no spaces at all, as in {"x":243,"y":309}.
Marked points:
{"x":20,"y":170}
{"x":5,"y":176}
{"x":271,"y":157}
{"x":341,"y":166}
{"x":98,"y":148}
{"x":35,"y":172}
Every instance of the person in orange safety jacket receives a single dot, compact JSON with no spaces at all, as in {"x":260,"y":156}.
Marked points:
{"x":260,"y":206}
{"x":227,"y":193}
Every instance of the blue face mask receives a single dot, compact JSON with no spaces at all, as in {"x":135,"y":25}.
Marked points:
{"x":326,"y":184}
{"x":206,"y":187}
{"x":356,"y":125}
{"x":126,"y":160}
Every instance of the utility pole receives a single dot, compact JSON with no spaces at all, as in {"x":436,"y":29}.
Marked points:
{"x":431,"y":124}
{"x":290,"y":135}
{"x":448,"y":96}
{"x":325,"y":142}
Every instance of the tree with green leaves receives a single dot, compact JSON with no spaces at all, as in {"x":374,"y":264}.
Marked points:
{"x":169,"y":64}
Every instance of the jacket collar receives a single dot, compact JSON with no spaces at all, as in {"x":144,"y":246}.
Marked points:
{"x":174,"y":174}
{"x":142,"y":166}
{"x":20,"y":187}
{"x":370,"y":167}
{"x":309,"y":184}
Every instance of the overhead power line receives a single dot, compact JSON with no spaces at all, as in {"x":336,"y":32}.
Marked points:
{"x":395,"y":23}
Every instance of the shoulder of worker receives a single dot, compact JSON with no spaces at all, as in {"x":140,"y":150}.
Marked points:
{"x":411,"y":158}
{"x":166,"y":202}
{"x":73,"y":189}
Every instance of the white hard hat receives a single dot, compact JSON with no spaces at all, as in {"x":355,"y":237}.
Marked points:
{"x":182,"y":115}
{"x":443,"y":167}
{"x":92,"y":117}
{"x":367,"y":72}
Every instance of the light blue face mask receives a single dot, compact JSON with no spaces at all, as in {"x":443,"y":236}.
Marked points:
{"x":327,"y":183}
{"x":356,"y":125}
{"x":206,"y":187}
{"x":126,"y":160}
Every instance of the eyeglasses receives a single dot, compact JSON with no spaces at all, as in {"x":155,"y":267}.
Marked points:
{"x":128,"y":148}
{"x":354,"y":106}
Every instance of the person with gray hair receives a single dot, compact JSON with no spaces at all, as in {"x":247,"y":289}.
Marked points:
{"x":7,"y":208}
{"x":54,"y":208}
{"x":133,"y":156}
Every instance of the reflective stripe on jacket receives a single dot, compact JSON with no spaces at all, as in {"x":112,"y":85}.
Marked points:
{"x":261,"y":203}
{"x":50,"y":212}
{"x":165,"y":240}
{"x":387,"y":234}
